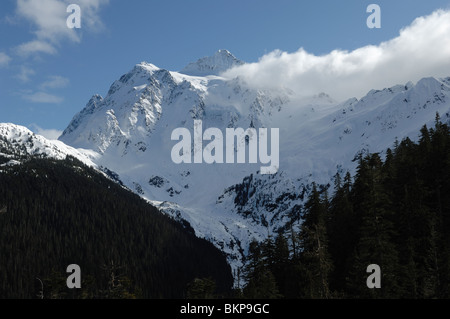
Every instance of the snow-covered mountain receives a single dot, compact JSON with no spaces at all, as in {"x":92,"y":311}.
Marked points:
{"x":129,"y":132}
{"x":221,"y":61}
{"x":18,"y":141}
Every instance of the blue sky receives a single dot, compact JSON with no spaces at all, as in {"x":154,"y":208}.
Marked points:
{"x":48,"y":73}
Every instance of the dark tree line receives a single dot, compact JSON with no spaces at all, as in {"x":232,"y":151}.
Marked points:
{"x":59,"y":213}
{"x":395,"y":212}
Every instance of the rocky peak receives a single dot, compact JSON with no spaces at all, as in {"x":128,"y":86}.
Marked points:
{"x":221,"y":61}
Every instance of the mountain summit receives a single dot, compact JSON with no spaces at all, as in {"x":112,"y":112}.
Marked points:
{"x":221,"y":61}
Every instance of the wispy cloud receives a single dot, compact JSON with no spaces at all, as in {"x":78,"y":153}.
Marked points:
{"x":55,"y":82}
{"x":422,"y":49}
{"x":25,"y":74}
{"x":4,"y":59}
{"x":42,"y":97}
{"x":49,"y":31}
{"x":90,"y":9}
{"x":51,"y":134}
{"x":48,"y":18}
{"x":36,"y":46}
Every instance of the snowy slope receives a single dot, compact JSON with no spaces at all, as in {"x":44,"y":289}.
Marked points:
{"x":315,"y":149}
{"x":131,"y":128}
{"x":129,"y":132}
{"x":22,"y":141}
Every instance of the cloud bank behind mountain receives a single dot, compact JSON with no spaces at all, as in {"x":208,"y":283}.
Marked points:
{"x":421,"y":49}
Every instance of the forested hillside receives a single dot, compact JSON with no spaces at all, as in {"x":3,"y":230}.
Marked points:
{"x":57,"y":213}
{"x":394,"y":213}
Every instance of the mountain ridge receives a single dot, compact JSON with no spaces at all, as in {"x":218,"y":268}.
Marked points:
{"x":221,"y":61}
{"x":129,"y":130}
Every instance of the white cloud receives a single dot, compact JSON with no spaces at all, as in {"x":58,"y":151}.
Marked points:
{"x":55,"y":82}
{"x":422,"y":49}
{"x":25,"y":74}
{"x":36,"y":46}
{"x":50,"y":134}
{"x":4,"y":59}
{"x":89,"y":9}
{"x":49,"y":17}
{"x":42,"y":97}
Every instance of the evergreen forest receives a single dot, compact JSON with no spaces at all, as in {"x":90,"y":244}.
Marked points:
{"x":57,"y":213}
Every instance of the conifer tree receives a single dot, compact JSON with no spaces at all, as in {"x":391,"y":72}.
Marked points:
{"x":261,"y":281}
{"x":341,"y":229}
{"x":314,"y":246}
{"x":201,"y":288}
{"x":375,"y":232}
